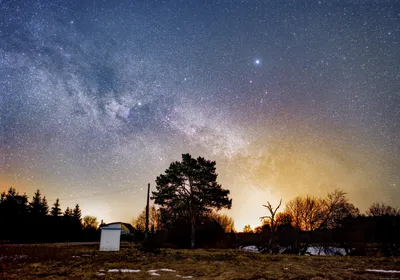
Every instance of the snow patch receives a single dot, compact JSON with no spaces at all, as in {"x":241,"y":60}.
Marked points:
{"x":124,"y":270}
{"x":153,"y":272}
{"x":383,"y":271}
{"x":129,"y":270}
{"x":251,"y":248}
{"x":14,"y":258}
{"x":325,"y":251}
{"x":167,"y":269}
{"x":283,"y":249}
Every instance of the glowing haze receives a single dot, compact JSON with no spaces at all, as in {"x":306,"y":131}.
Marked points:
{"x":289,"y":98}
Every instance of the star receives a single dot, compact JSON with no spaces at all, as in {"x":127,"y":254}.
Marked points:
{"x":121,"y":97}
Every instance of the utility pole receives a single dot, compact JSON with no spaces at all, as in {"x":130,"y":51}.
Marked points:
{"x":146,"y":232}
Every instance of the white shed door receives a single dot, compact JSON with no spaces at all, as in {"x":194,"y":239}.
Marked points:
{"x":110,"y":239}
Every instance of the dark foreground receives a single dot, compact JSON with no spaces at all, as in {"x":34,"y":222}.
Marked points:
{"x":86,"y":262}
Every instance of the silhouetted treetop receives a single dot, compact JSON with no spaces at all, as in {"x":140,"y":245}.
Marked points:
{"x":190,"y":187}
{"x":56,"y":210}
{"x":381,"y":209}
{"x":38,"y":205}
{"x":77,"y":214}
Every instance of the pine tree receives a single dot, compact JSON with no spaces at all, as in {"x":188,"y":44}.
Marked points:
{"x":76,"y":223}
{"x":12,"y":203}
{"x":190,"y":187}
{"x":13,"y":214}
{"x":56,"y":210}
{"x":68,"y":213}
{"x":38,"y":206}
{"x":35,"y":204}
{"x":44,"y":207}
{"x":77,"y":214}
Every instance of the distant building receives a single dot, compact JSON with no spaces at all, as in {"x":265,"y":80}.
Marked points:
{"x":110,"y":238}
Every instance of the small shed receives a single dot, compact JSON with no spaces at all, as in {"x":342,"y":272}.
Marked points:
{"x":110,"y":237}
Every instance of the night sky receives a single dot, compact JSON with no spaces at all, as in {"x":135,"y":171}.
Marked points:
{"x":288,"y":97}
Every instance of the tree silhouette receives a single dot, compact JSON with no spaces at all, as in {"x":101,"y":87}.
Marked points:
{"x":76,"y":222}
{"x":39,"y":206}
{"x":381,"y":209}
{"x":190,"y":187}
{"x":13,"y":214}
{"x":247,"y":229}
{"x":44,"y":207}
{"x":283,"y":219}
{"x":226,"y":222}
{"x":90,"y":222}
{"x":68,"y":214}
{"x":271,"y":221}
{"x":310,"y":213}
{"x":38,"y":220}
{"x":271,"y":217}
{"x":56,"y":210}
{"x":77,"y":214}
{"x":307,"y":212}
{"x":154,"y":220}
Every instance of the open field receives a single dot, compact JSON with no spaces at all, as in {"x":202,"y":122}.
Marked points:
{"x":86,"y":262}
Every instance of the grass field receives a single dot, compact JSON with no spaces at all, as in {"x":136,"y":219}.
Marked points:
{"x":86,"y":262}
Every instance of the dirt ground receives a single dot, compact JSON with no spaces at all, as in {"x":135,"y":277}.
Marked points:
{"x":68,"y":261}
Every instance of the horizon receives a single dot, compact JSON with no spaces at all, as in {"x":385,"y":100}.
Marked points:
{"x":242,"y":223}
{"x":97,"y":99}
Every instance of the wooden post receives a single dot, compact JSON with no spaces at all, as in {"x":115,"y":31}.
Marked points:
{"x":146,"y":232}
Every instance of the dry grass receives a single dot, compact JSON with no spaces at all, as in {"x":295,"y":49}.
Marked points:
{"x":85,"y":262}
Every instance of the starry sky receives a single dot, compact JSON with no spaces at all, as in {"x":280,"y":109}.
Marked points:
{"x":288,"y":97}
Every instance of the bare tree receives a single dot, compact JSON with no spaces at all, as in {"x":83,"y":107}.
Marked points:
{"x":226,"y":222}
{"x":307,"y":212}
{"x":154,"y":220}
{"x":310,"y":213}
{"x":272,"y":212}
{"x":283,"y":218}
{"x":335,"y":208}
{"x":271,"y":219}
{"x":381,"y":209}
{"x":90,"y":222}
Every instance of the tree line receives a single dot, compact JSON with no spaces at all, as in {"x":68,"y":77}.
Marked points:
{"x":189,"y":198}
{"x":186,"y":214}
{"x":26,"y":221}
{"x":330,"y":220}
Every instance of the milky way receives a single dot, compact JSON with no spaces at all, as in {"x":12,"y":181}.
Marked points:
{"x":289,"y":97}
